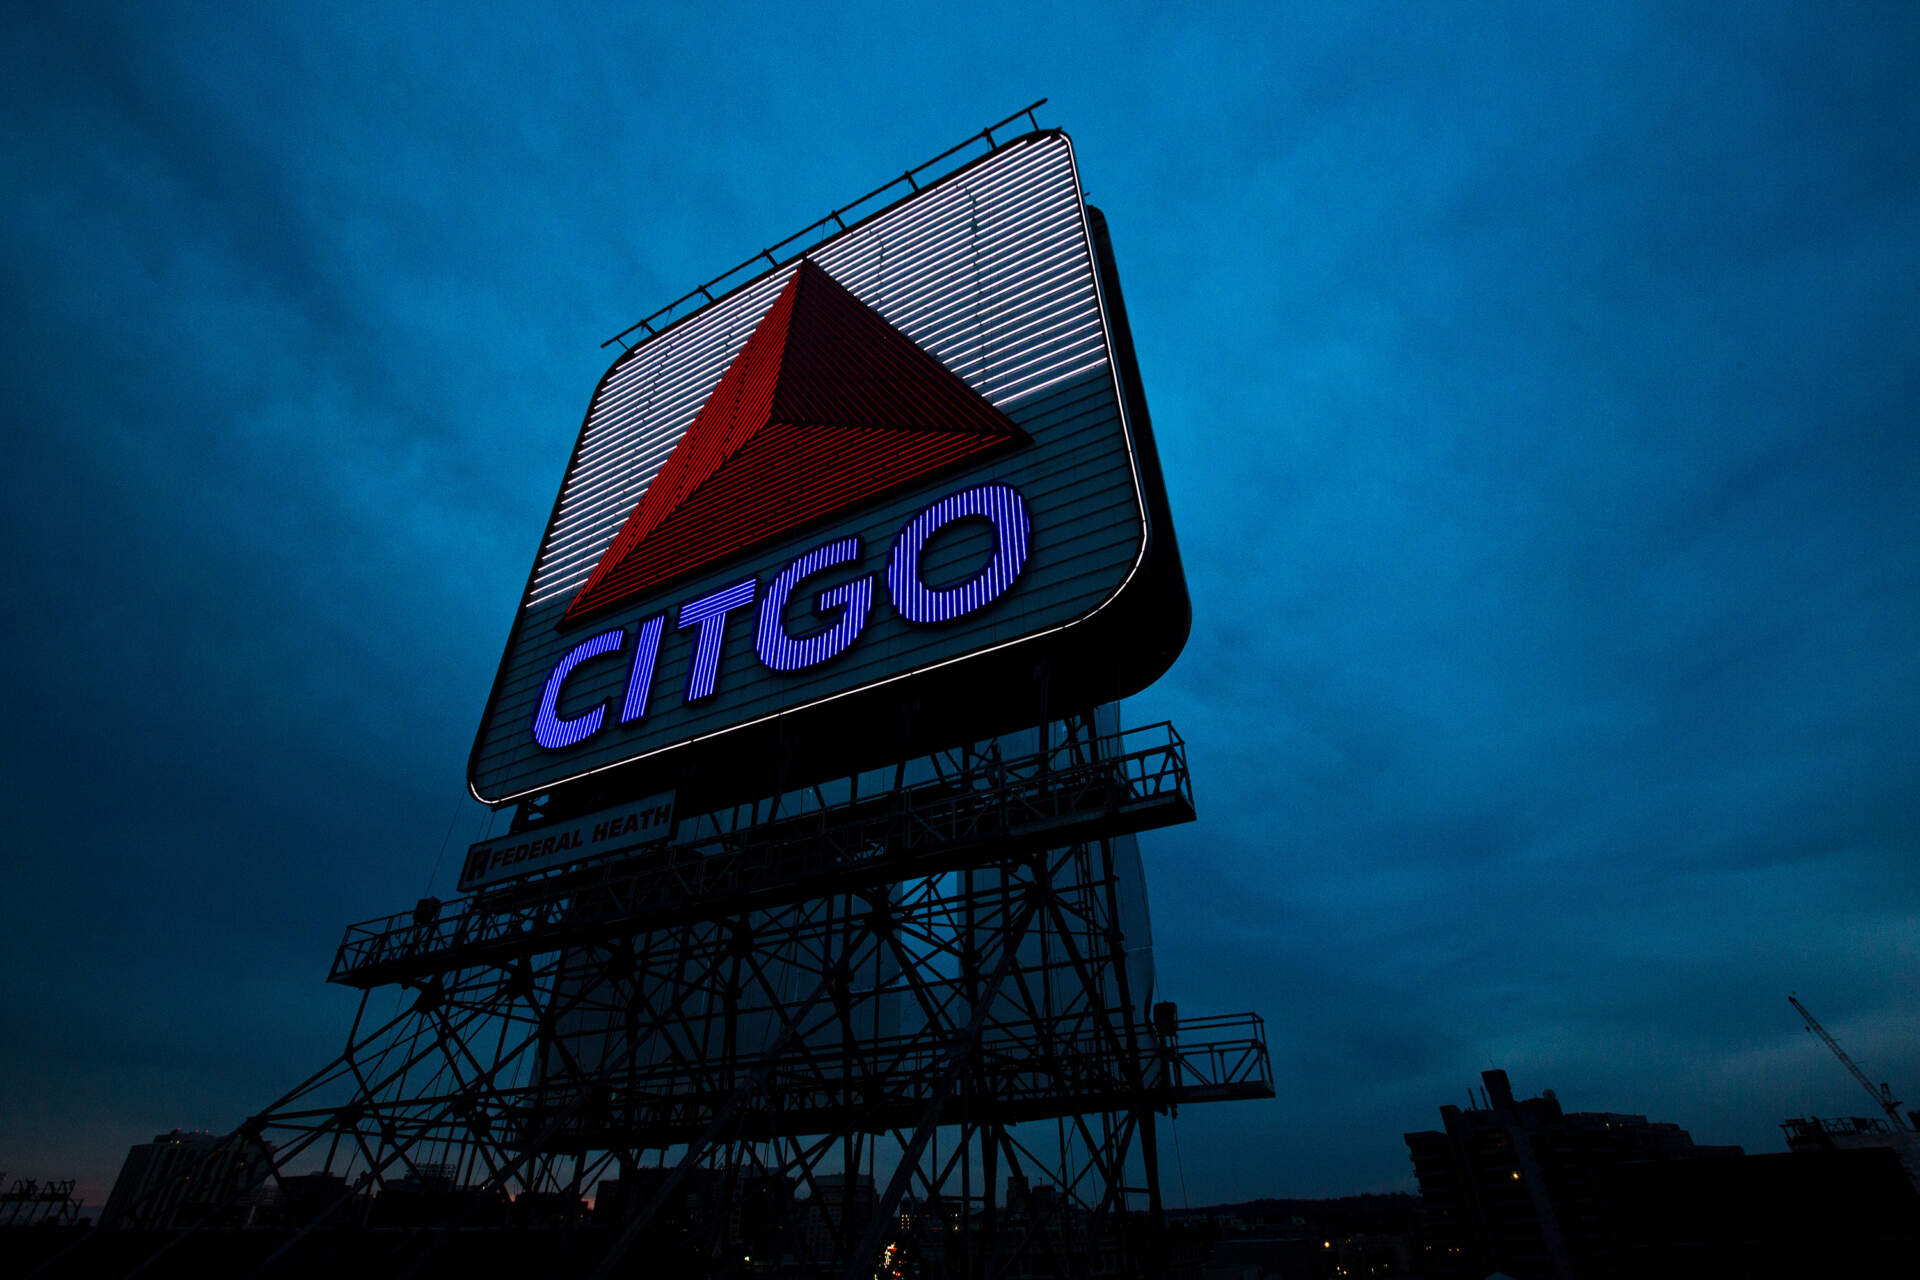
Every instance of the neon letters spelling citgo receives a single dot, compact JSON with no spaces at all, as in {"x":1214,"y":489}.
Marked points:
{"x":849,"y":605}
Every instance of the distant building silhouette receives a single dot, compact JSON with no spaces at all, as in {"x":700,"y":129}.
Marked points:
{"x":1838,"y":1215}
{"x":1808,"y":1134}
{"x":162,"y":1182}
{"x":1363,"y":1237}
{"x":840,"y":1204}
{"x":29,"y":1202}
{"x":1522,"y":1187}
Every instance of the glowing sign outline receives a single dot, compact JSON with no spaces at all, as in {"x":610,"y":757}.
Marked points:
{"x":1127,"y":435}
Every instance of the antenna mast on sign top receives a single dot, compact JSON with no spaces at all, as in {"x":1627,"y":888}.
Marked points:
{"x":1882,"y":1096}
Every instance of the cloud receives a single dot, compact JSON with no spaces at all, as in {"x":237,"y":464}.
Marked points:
{"x":1535,"y":393}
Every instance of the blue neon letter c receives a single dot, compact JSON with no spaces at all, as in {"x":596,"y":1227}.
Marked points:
{"x":550,"y":729}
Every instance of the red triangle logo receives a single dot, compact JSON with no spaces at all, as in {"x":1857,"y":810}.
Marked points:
{"x":827,"y":407}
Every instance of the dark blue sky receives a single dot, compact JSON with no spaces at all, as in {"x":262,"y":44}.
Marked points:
{"x":1537,"y":393}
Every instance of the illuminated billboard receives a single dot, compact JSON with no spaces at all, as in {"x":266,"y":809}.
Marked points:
{"x":895,"y":494}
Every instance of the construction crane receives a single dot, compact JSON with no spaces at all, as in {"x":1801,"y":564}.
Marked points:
{"x":1883,"y":1096}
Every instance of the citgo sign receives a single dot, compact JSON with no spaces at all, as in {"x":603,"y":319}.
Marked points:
{"x":894,"y":494}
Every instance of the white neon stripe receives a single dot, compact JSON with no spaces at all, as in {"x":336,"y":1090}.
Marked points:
{"x":969,"y":318}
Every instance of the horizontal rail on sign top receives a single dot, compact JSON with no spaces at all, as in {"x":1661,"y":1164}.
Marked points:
{"x":1000,"y":806}
{"x":836,"y":217}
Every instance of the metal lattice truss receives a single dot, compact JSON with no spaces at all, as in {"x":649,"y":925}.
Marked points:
{"x":821,"y":1083}
{"x":975,"y":805}
{"x":30,"y":1202}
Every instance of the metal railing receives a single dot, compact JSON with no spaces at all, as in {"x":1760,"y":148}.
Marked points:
{"x":1066,"y":792}
{"x":1033,"y":1071}
{"x":1218,"y":1058}
{"x":832,"y":224}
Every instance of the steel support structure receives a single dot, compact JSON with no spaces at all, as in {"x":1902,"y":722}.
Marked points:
{"x":861,"y":1030}
{"x":29,"y":1202}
